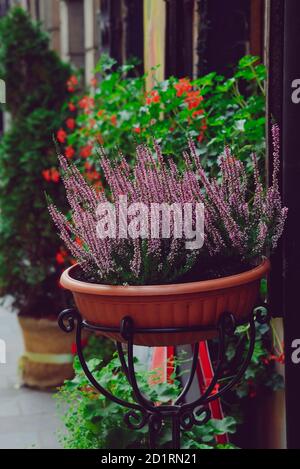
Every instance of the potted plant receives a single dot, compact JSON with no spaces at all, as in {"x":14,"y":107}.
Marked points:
{"x":29,"y":252}
{"x":156,"y":278}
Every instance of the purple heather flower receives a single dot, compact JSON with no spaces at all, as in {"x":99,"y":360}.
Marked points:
{"x":236,"y":221}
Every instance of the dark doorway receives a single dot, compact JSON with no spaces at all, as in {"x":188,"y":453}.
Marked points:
{"x":228,"y":31}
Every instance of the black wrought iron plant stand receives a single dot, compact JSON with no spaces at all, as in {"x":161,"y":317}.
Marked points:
{"x":183,"y":415}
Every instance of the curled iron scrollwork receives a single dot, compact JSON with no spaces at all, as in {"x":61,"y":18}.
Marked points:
{"x":135,"y":420}
{"x":195,"y":416}
{"x":126,"y":329}
{"x":67,"y":318}
{"x":262,"y":314}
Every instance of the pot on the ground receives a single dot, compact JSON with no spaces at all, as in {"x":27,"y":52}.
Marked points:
{"x":167,"y":306}
{"x":48,"y":360}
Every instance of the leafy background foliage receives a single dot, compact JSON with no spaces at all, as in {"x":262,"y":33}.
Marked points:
{"x":36,"y":90}
{"x":215,"y":111}
{"x":92,"y":421}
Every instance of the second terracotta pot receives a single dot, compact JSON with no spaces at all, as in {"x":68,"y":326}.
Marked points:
{"x":47,"y":361}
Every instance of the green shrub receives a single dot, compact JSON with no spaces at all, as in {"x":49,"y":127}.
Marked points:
{"x":36,"y":90}
{"x":35,"y":77}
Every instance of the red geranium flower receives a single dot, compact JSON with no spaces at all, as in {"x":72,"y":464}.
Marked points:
{"x":72,"y":107}
{"x":200,"y":137}
{"x":61,"y":136}
{"x":137,"y":130}
{"x":55,"y":175}
{"x":113,"y":119}
{"x":86,"y":151}
{"x":83,"y":103}
{"x":60,"y":258}
{"x":193,"y":99}
{"x":153,"y":97}
{"x":46,"y":175}
{"x":72,"y":83}
{"x":183,"y":86}
{"x":86,"y":103}
{"x":73,"y":80}
{"x":51,"y":175}
{"x":199,"y":112}
{"x":70,"y":123}
{"x":87,"y":165}
{"x":69,"y":152}
{"x":93,"y":176}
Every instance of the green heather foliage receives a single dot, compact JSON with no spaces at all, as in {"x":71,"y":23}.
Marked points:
{"x":36,"y":89}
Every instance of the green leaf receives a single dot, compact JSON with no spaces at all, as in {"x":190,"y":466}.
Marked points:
{"x":247,"y":61}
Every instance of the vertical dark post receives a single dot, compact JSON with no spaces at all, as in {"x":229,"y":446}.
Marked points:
{"x":291,"y":189}
{"x":171,"y":39}
{"x":111,"y":29}
{"x":179,"y":38}
{"x":224,"y":34}
{"x":274,"y":62}
{"x":134,"y":29}
{"x":116,"y":31}
{"x":104,"y":27}
{"x":256,"y":27}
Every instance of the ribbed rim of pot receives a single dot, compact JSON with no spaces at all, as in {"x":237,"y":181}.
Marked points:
{"x":249,"y":276}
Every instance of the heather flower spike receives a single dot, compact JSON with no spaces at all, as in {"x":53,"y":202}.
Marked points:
{"x":125,"y":259}
{"x":239,"y":223}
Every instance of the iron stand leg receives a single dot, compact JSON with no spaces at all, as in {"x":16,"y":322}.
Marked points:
{"x":175,"y":432}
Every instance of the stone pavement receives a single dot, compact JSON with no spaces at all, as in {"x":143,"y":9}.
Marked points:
{"x":28,"y":418}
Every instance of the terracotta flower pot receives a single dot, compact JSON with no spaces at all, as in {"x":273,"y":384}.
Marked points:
{"x":47,"y":361}
{"x":164,"y":306}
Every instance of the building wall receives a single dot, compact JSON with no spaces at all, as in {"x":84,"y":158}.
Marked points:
{"x":184,"y":37}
